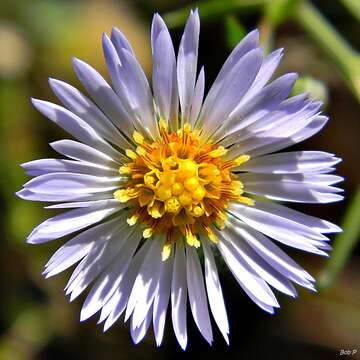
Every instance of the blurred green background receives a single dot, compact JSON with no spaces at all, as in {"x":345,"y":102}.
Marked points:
{"x":38,"y":39}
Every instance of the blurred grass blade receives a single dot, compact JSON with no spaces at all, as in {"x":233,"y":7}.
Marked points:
{"x":315,"y":87}
{"x":275,"y":13}
{"x":234,"y":31}
{"x":335,"y":46}
{"x":212,"y":9}
{"x":353,"y":6}
{"x":344,"y":243}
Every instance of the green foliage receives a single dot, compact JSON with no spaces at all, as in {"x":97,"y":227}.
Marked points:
{"x":234,"y":31}
{"x":344,"y":243}
{"x":316,"y":88}
{"x":278,"y":11}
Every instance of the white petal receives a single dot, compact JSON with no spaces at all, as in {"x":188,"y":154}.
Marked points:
{"x":104,"y":96}
{"x":297,"y":106}
{"x":256,"y":263}
{"x":135,"y":93}
{"x":215,"y":296}
{"x":313,"y":127}
{"x":259,"y":213}
{"x":143,"y":291}
{"x":46,"y":166}
{"x":268,"y":67}
{"x":107,"y":283}
{"x":276,"y":257}
{"x":187,"y":63}
{"x":78,"y":151}
{"x":291,"y":162}
{"x":120,"y":41}
{"x":72,"y":221}
{"x":278,"y":228}
{"x":198,"y":97}
{"x":164,"y":72}
{"x":77,"y":204}
{"x":115,"y":306}
{"x":97,"y":261}
{"x":179,"y":296}
{"x":74,"y":126}
{"x":129,"y":95}
{"x":253,"y":285}
{"x":71,"y":184}
{"x":26,"y":194}
{"x":267,"y":100}
{"x":233,"y":88}
{"x":197,"y":294}
{"x":269,"y":142}
{"x":80,"y":246}
{"x":247,"y":44}
{"x":85,"y":109}
{"x":316,"y":224}
{"x":138,"y":332}
{"x":292,"y":187}
{"x":161,"y":300}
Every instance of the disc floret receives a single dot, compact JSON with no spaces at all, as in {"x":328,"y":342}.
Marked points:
{"x":179,"y":186}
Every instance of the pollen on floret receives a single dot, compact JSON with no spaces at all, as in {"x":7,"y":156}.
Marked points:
{"x":138,"y":138}
{"x":166,"y":251}
{"x":125,"y":170}
{"x":131,"y":154}
{"x":132,"y":220}
{"x":147,"y":233}
{"x":180,"y":187}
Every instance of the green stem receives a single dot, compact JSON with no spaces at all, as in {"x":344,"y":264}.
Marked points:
{"x":353,"y":7}
{"x":333,"y":44}
{"x":344,"y":243}
{"x":212,"y":9}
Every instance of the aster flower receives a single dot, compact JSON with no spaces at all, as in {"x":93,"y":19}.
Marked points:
{"x":150,"y":185}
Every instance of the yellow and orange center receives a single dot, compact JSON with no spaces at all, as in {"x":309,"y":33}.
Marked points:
{"x":179,"y":186}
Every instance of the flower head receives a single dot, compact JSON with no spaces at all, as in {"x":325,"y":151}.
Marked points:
{"x":148,"y":187}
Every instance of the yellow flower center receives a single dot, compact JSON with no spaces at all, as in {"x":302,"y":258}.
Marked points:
{"x":179,"y":186}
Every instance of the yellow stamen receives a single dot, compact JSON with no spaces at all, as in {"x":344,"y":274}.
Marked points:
{"x":242,"y":159}
{"x":187,"y":127}
{"x":166,"y":251}
{"x":157,"y":210}
{"x":132,"y":220}
{"x":131,"y":154}
{"x":191,"y":239}
{"x":220,"y":151}
{"x":163,"y":124}
{"x":125,"y":170}
{"x":122,"y":195}
{"x":147,"y":233}
{"x":245,"y":200}
{"x":211,"y":235}
{"x":138,"y":138}
{"x":140,"y":151}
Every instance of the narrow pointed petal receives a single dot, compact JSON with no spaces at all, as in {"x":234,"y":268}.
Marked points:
{"x":197,"y":294}
{"x":72,"y":221}
{"x":179,"y":296}
{"x":164,"y":72}
{"x":215,"y":296}
{"x":161,"y":300}
{"x":187,"y":62}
